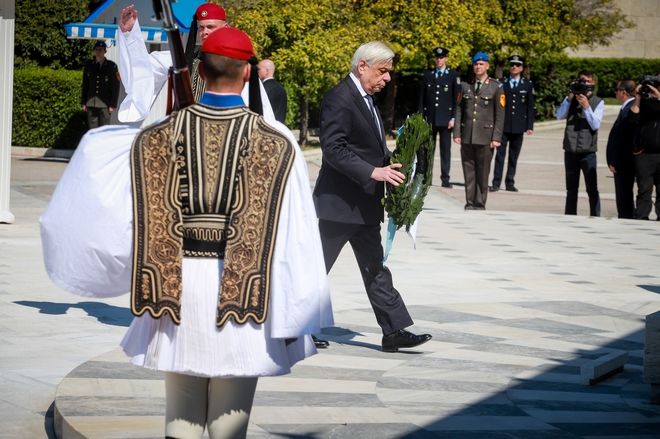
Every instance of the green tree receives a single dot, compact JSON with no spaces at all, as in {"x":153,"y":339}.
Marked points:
{"x":40,"y":39}
{"x":312,"y":42}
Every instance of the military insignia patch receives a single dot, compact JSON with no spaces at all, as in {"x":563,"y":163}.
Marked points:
{"x":502,"y":100}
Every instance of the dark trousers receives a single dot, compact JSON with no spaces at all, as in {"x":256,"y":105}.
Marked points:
{"x":476,"y":168}
{"x":574,"y":162}
{"x":445,"y":151}
{"x":391,"y":313}
{"x":647,"y":168}
{"x":97,"y":117}
{"x":514,"y":142}
{"x":624,"y":181}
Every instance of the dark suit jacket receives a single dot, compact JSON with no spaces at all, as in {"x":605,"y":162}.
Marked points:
{"x":100,"y":87}
{"x":619,"y":150}
{"x":277,"y":97}
{"x":480,"y":115}
{"x":438,"y":96}
{"x":519,"y":111}
{"x":352,"y":147}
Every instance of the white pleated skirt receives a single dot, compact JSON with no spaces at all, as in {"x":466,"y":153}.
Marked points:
{"x":198,"y":347}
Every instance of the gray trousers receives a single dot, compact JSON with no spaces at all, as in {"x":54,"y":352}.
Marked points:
{"x":476,"y":168}
{"x":97,"y":117}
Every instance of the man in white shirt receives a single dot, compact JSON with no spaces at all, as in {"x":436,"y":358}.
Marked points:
{"x":583,"y":112}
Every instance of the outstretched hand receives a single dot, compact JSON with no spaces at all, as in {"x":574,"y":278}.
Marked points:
{"x":389,"y":174}
{"x":127,"y":18}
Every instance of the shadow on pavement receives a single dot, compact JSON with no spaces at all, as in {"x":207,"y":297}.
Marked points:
{"x":104,"y":313}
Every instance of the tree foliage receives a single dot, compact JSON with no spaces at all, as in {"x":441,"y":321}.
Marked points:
{"x":312,"y":41}
{"x":40,"y":39}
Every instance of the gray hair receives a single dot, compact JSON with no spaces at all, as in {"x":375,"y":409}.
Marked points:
{"x":372,"y":52}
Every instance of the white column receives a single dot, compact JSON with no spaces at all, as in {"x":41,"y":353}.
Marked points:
{"x":7,"y":14}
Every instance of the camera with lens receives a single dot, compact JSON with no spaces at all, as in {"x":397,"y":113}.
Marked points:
{"x":580,"y":87}
{"x":645,"y":81}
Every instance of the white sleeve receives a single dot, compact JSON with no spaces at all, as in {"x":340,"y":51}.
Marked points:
{"x":300,"y":297}
{"x":142,"y":74}
{"x":562,"y":111}
{"x":87,"y":228}
{"x":594,"y":117}
{"x":269,"y":116}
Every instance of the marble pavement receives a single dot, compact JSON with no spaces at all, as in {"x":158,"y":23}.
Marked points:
{"x":517,"y":298}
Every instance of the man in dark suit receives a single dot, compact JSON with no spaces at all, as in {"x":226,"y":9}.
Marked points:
{"x":350,"y":186}
{"x":100,"y":87}
{"x":441,"y":87}
{"x":518,"y":121}
{"x":620,"y":158}
{"x":274,"y":90}
{"x":478,"y":129}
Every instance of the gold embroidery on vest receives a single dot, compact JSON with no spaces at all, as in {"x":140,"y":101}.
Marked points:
{"x":245,"y":290}
{"x":157,"y":235}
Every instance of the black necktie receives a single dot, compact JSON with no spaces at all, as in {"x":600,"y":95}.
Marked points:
{"x":477,"y":87}
{"x":370,"y":101}
{"x":515,"y":83}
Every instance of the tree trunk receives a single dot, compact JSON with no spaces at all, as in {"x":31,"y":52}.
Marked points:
{"x":304,"y":119}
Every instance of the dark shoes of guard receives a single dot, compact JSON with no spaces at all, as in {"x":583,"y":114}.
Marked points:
{"x":493,"y":188}
{"x":320,"y":344}
{"x":447,"y":184}
{"x":403,"y":339}
{"x":512,"y":188}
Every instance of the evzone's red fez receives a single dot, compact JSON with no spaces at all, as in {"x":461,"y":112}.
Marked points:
{"x":229,"y":42}
{"x":210,"y":11}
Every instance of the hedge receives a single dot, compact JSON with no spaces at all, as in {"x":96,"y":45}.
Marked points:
{"x":550,"y":81}
{"x":47,"y":102}
{"x":47,"y":108}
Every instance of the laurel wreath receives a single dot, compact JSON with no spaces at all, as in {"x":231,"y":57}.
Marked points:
{"x":404,"y":202}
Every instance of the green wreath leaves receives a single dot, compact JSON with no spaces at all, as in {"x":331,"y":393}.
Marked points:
{"x":404,"y":202}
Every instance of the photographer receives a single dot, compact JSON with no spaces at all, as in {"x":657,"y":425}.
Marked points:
{"x":583,"y":112}
{"x":645,"y":119}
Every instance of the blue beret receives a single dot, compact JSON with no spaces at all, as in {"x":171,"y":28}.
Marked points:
{"x":480,"y":56}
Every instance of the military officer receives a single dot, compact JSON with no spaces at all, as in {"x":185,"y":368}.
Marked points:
{"x":478,"y":129}
{"x":100,"y":87}
{"x":437,"y":102}
{"x":518,"y":121}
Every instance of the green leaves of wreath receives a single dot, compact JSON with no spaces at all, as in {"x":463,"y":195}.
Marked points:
{"x":404,"y":202}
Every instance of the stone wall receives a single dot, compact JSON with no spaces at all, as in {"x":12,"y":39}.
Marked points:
{"x":642,"y":41}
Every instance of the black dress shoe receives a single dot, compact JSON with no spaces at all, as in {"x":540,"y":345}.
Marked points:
{"x":447,"y":184}
{"x":512,"y":189}
{"x":320,"y":344}
{"x":403,"y":339}
{"x":469,"y":207}
{"x":493,"y":188}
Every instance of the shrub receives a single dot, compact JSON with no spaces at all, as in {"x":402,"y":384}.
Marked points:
{"x":47,"y":108}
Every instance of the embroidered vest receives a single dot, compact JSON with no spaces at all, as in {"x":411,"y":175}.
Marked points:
{"x":207,"y":182}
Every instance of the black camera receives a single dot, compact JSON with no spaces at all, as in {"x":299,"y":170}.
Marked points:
{"x":580,"y":87}
{"x":645,"y":81}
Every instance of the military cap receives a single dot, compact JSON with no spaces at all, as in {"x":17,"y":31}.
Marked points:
{"x":100,"y":44}
{"x":516,"y":59}
{"x":229,"y":42}
{"x":440,"y":52}
{"x":480,"y":56}
{"x":210,"y":11}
